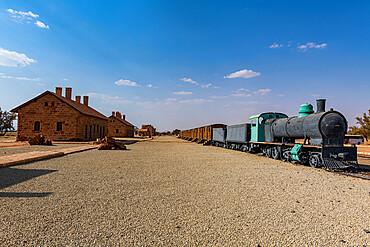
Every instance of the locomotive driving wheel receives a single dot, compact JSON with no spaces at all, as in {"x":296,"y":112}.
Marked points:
{"x":285,"y":156}
{"x":275,"y":153}
{"x":314,"y":161}
{"x":268,"y":152}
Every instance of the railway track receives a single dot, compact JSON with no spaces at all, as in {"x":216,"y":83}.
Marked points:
{"x":362,"y":174}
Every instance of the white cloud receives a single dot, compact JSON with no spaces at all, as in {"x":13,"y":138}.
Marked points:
{"x":281,"y":95}
{"x":219,"y":97}
{"x":2,"y":75}
{"x":14,"y":59}
{"x":242,"y":89}
{"x":206,"y":85}
{"x":262,"y":91}
{"x":216,"y":87}
{"x":312,"y":45}
{"x":244,"y":73}
{"x":275,"y":46}
{"x":21,"y":16}
{"x":195,"y":101}
{"x":151,"y":86}
{"x":42,"y":25}
{"x":240,"y":95}
{"x":108,"y":98}
{"x":65,"y":79}
{"x":183,"y":93}
{"x":189,"y":80}
{"x":124,"y":82}
{"x":171,"y":100}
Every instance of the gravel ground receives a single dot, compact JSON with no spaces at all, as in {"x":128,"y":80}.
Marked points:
{"x":25,"y":149}
{"x":171,"y":192}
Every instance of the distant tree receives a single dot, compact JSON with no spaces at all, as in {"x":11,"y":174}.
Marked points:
{"x":175,"y":132}
{"x":364,"y":126}
{"x":6,"y":121}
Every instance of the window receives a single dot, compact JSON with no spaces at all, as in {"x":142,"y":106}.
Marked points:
{"x":253,"y":122}
{"x":59,"y":126}
{"x":46,"y":103}
{"x":117,"y":130}
{"x":94,"y":128}
{"x":52,"y":103}
{"x":36,"y":126}
{"x":90,"y":131}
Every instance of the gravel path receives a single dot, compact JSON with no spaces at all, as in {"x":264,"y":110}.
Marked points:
{"x":170,"y":192}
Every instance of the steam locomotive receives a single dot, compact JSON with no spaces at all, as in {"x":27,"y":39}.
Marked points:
{"x":312,"y":138}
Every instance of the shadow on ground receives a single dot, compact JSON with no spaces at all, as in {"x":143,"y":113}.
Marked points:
{"x":24,"y":194}
{"x":12,"y":176}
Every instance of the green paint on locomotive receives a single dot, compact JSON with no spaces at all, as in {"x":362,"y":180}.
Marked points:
{"x":258,"y":123}
{"x":295,"y":151}
{"x":305,"y":110}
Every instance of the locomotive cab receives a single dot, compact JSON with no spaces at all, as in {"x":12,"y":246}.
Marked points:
{"x":258,"y":124}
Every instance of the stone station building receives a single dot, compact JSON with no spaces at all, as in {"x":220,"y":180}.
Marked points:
{"x":119,"y":127}
{"x":147,"y":130}
{"x":59,"y":117}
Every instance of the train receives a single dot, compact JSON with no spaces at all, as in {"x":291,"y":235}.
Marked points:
{"x":311,"y":138}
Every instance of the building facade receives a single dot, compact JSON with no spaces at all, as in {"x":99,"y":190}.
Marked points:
{"x":118,"y":126}
{"x":147,"y":130}
{"x":59,"y":117}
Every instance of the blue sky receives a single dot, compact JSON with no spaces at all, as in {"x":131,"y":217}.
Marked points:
{"x":182,"y":64}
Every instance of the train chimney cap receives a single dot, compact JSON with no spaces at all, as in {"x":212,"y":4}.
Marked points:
{"x":320,"y":103}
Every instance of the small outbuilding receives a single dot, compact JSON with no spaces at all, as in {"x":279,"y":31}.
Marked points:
{"x":118,"y":126}
{"x":147,"y":130}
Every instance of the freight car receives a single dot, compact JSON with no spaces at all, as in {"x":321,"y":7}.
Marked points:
{"x":202,"y":134}
{"x":313,"y":138}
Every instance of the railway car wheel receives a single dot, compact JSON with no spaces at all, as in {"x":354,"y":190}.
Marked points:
{"x":275,"y":153}
{"x":268,"y":152}
{"x":314,"y":161}
{"x":285,"y":156}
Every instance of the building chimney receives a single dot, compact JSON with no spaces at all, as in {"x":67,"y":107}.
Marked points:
{"x":86,"y":100}
{"x":118,"y":114}
{"x":124,"y":117}
{"x":68,"y":93}
{"x":78,"y":98}
{"x":320,"y":105}
{"x":113,"y":113}
{"x":58,"y":91}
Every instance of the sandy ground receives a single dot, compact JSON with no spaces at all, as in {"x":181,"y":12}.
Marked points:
{"x":172,"y":192}
{"x":7,"y":138}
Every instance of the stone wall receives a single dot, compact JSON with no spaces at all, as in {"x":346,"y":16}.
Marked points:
{"x":118,"y":129}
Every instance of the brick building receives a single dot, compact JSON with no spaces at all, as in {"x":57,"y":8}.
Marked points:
{"x":119,"y":127}
{"x":146,"y":130}
{"x":59,"y":117}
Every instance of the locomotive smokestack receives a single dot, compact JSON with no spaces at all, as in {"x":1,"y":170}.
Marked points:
{"x":320,"y":105}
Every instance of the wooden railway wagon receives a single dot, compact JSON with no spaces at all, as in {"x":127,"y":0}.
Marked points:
{"x":201,"y":134}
